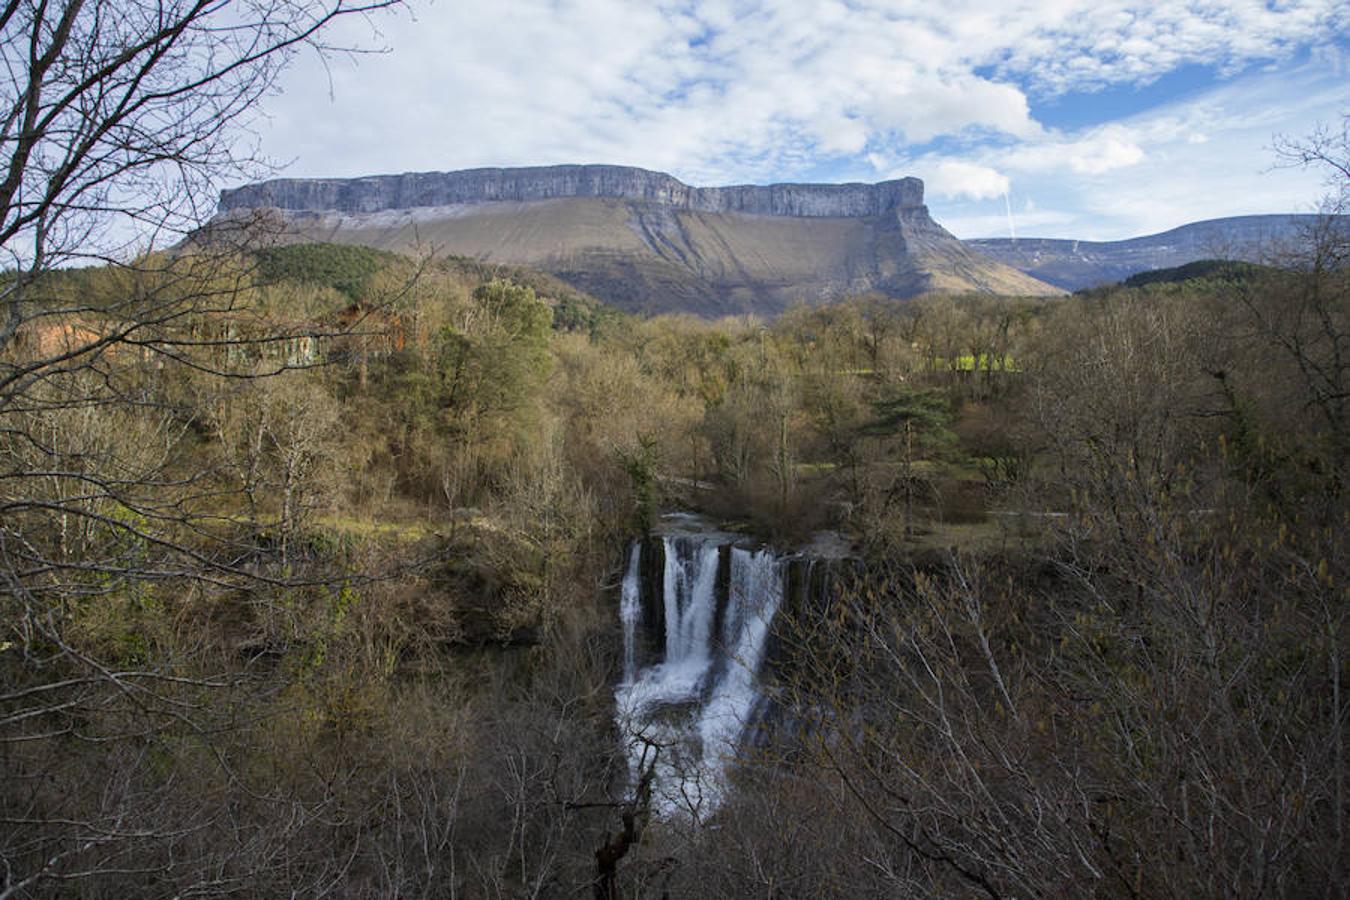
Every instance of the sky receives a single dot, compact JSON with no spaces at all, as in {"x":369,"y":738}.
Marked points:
{"x":1090,"y":119}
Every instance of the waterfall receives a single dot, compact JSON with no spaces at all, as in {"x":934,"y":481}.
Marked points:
{"x":630,"y":611}
{"x":695,"y":700}
{"x":690,"y":603}
{"x":755,"y":591}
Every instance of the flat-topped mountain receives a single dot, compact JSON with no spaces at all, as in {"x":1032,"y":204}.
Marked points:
{"x":1074,"y":264}
{"x":416,"y":190}
{"x":645,"y":241}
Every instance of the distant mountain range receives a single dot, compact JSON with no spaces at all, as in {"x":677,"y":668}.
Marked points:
{"x":646,"y":242}
{"x":1074,"y":265}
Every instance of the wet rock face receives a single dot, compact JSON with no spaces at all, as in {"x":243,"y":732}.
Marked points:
{"x":430,"y":189}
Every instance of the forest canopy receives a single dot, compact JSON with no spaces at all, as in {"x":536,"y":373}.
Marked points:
{"x":309,"y":554}
{"x":1121,"y":512}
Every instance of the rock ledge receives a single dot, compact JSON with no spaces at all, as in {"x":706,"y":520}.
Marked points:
{"x":422,"y":189}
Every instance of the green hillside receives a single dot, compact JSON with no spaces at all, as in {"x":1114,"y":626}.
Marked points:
{"x":1231,"y":270}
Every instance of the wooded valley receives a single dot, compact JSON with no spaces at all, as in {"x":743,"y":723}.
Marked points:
{"x":311,"y":557}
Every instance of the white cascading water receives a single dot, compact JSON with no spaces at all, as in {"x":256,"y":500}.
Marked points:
{"x":696,"y":700}
{"x":630,"y":611}
{"x":756,"y":590}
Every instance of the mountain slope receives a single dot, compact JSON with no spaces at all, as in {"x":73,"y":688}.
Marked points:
{"x":1073,"y":265}
{"x":644,"y":241}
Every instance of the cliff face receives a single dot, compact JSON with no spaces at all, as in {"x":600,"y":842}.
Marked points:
{"x":432,"y":189}
{"x":647,"y":242}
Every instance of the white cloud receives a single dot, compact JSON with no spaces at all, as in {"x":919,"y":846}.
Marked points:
{"x":1093,"y":152}
{"x":744,"y":89}
{"x":1147,"y":173}
{"x":719,"y":91}
{"x":1104,"y":154}
{"x":955,"y":178}
{"x":1115,"y":41}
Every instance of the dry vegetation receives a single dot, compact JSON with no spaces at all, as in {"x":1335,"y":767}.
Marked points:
{"x":339,"y":624}
{"x":305,"y":555}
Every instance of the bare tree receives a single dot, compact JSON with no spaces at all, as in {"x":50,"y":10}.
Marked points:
{"x":118,"y":121}
{"x":1307,"y":320}
{"x":1326,"y":147}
